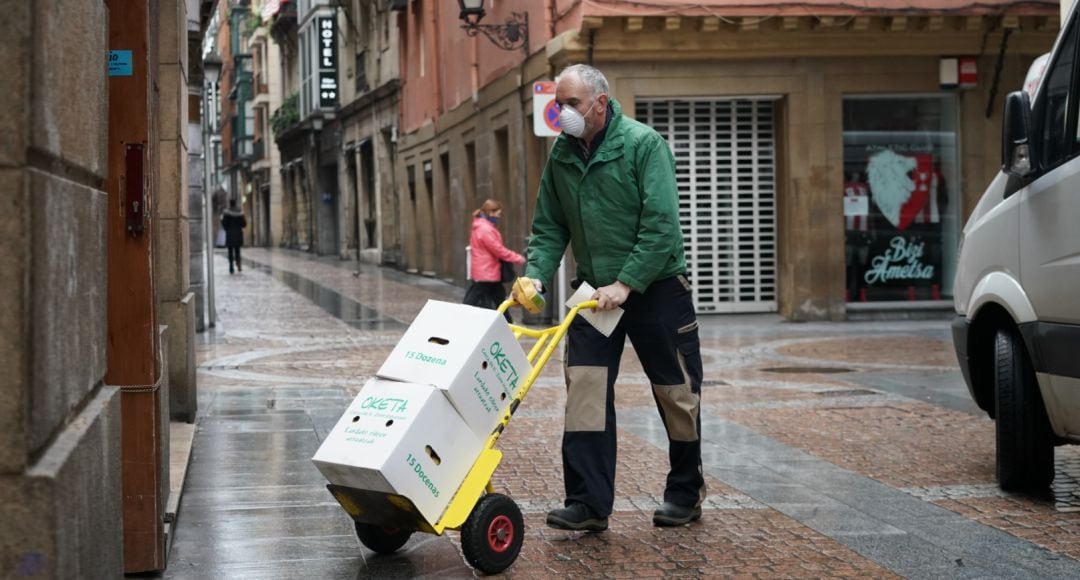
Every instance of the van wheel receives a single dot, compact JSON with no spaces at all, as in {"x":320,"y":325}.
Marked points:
{"x":1025,"y":444}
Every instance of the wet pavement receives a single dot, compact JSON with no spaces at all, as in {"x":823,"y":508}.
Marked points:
{"x":831,"y":450}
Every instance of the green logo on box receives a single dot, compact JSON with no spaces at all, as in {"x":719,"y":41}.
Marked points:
{"x":503,"y":363}
{"x":385,"y":404}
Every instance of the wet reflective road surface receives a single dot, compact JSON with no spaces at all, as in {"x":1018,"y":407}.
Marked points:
{"x":831,"y":450}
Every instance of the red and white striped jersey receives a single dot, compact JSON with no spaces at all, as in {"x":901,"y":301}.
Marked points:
{"x":854,"y":190}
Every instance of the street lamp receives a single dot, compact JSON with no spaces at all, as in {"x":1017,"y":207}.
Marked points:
{"x":211,"y":74}
{"x":212,"y":68}
{"x":511,"y":35}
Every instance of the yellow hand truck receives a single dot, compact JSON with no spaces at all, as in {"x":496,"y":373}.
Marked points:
{"x":491,"y":524}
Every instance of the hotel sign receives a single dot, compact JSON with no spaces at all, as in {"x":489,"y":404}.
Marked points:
{"x":327,"y":62}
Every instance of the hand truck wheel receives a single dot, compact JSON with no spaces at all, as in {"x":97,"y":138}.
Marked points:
{"x":492,"y":535}
{"x":382,"y":540}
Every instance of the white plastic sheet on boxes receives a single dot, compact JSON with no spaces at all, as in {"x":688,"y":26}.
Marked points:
{"x":404,"y":439}
{"x":470,"y":353}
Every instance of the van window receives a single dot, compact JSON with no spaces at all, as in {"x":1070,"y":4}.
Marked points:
{"x":1057,"y":138}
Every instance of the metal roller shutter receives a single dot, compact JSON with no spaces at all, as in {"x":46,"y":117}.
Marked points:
{"x":725,"y":160}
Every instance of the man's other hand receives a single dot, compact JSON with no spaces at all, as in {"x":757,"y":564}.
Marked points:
{"x":612,"y":296}
{"x":529,"y":294}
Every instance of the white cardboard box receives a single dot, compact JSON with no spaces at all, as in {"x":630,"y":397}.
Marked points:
{"x":401,"y":438}
{"x":470,"y":353}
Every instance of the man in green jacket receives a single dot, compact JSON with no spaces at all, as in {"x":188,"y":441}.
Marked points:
{"x":609,"y":191}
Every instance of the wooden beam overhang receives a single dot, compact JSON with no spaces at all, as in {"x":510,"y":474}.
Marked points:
{"x":903,"y":23}
{"x":689,"y":38}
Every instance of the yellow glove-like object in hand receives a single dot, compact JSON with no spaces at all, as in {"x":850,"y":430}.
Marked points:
{"x":527,"y":295}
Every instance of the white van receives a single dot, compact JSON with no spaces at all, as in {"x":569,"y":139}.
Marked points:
{"x":1017,"y":292}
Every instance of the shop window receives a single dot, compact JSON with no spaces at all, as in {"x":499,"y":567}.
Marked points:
{"x":901,"y":197}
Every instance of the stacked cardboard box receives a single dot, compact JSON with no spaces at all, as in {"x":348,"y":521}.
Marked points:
{"x":417,"y":428}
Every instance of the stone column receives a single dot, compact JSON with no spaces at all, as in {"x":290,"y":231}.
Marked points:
{"x":277,"y":235}
{"x":176,"y":302}
{"x":59,"y":425}
{"x":197,"y":195}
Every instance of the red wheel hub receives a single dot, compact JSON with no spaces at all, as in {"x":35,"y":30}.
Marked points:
{"x":500,"y":534}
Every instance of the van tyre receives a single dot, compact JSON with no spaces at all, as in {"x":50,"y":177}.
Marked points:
{"x":492,"y":535}
{"x":382,"y":540}
{"x":1025,"y":443}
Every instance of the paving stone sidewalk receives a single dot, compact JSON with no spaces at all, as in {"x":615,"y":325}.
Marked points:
{"x":832,"y":450}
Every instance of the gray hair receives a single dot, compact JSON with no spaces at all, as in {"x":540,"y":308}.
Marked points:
{"x":591,"y":76}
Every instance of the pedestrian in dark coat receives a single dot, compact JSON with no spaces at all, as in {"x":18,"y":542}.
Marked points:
{"x":233,"y":222}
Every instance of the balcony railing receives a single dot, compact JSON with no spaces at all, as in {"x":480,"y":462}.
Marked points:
{"x":240,"y":78}
{"x":285,"y":23}
{"x":243,"y":148}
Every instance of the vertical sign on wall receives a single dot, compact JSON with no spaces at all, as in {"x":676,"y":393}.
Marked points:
{"x":327,"y":59}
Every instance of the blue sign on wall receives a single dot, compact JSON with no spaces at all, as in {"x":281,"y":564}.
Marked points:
{"x":120,"y":63}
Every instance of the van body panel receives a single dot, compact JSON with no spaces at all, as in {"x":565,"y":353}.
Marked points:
{"x":1062,"y":398}
{"x":1050,"y":243}
{"x":990,"y":246}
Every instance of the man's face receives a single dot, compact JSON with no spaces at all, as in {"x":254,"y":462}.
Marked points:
{"x":571,"y":92}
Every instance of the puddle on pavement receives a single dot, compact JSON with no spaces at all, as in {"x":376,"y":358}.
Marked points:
{"x":341,"y":307}
{"x":846,"y":393}
{"x":807,"y":370}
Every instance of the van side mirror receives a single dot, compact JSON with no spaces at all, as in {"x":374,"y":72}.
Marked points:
{"x":1016,"y":141}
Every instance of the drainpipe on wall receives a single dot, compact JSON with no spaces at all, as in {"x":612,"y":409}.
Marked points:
{"x":434,"y":44}
{"x":474,"y":70}
{"x":550,"y":17}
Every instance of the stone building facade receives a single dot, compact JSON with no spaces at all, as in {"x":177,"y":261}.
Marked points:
{"x":264,"y":200}
{"x":369,"y":113}
{"x":64,"y":478}
{"x":59,"y":422}
{"x":786,"y":123}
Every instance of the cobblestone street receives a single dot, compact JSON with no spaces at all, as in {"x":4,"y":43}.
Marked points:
{"x":830,"y":449}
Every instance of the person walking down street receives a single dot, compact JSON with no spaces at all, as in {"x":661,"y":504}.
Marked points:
{"x":609,"y":191}
{"x":233,"y":222}
{"x":487,"y":255}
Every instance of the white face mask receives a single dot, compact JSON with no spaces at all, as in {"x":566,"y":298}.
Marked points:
{"x":573,"y":122}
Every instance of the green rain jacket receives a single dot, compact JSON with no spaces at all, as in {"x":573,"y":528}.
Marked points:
{"x":620,"y":213}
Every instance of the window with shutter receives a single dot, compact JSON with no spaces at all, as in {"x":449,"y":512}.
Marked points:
{"x":725,"y":164}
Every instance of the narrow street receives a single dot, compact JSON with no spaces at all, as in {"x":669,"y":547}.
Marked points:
{"x":822,"y":459}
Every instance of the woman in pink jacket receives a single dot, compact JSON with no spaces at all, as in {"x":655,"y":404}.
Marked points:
{"x":488,"y":253}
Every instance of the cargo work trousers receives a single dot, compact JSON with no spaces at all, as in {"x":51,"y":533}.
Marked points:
{"x":663,"y":329}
